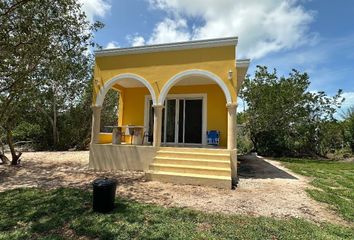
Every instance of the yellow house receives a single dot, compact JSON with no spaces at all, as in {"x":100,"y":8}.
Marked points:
{"x":171,"y":96}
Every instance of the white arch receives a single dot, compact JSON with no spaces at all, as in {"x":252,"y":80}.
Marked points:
{"x":104,"y":89}
{"x":190,"y":73}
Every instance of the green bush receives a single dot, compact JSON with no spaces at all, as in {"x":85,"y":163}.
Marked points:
{"x":244,"y":143}
{"x":26,"y":131}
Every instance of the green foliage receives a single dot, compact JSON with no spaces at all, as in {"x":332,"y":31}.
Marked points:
{"x":334,"y":182}
{"x":349,"y":127}
{"x":109,"y":112}
{"x":45,"y":66}
{"x":27,"y":131}
{"x":284,"y":118}
{"x":332,"y":135}
{"x":74,"y":125}
{"x":66,"y":214}
{"x":40,"y":41}
{"x":242,"y":117}
{"x":244,"y":143}
{"x":75,"y":128}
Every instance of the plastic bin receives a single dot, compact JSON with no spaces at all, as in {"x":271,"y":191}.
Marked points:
{"x":104,"y":193}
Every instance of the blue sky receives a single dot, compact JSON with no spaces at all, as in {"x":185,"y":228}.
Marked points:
{"x":316,"y":36}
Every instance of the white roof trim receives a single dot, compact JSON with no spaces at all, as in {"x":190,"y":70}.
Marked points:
{"x":217,"y":42}
{"x":243,"y":63}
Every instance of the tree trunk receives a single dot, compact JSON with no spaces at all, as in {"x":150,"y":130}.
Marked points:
{"x":54,"y":122}
{"x":54,"y":125}
{"x":15,"y":157}
{"x":3,"y":158}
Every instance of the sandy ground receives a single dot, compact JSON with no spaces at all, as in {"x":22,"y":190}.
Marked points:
{"x":265,"y":187}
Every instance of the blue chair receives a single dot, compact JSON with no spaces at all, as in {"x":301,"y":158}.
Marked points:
{"x":213,"y":137}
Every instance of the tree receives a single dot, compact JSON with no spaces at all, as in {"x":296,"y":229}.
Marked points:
{"x":17,"y":113}
{"x":284,"y":118}
{"x":244,"y":143}
{"x":349,"y":127}
{"x":44,"y":58}
{"x":75,"y":122}
{"x":109,"y":114}
{"x":64,"y":83}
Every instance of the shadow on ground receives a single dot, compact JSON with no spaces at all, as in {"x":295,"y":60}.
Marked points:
{"x":252,"y":166}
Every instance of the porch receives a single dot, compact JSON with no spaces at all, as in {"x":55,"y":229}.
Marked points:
{"x":181,"y":119}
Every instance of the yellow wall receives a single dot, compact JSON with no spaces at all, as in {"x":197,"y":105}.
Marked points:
{"x":157,"y":68}
{"x":105,"y":138}
{"x":134,"y":103}
{"x":133,"y":109}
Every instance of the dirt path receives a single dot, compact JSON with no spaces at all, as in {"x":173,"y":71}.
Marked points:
{"x":271,"y":191}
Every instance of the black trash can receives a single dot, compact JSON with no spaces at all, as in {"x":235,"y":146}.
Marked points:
{"x":104,"y":193}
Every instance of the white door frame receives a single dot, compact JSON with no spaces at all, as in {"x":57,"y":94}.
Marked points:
{"x":202,"y":96}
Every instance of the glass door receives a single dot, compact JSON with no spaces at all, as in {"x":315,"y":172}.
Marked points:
{"x":193,"y":121}
{"x":151,"y":122}
{"x":182,"y":121}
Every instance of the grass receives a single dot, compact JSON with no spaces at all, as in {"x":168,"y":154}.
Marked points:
{"x":66,"y":213}
{"x":333,"y":182}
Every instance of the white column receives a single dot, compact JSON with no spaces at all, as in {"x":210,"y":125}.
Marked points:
{"x":96,"y":123}
{"x":231,"y":139}
{"x":157,"y":125}
{"x":231,"y":126}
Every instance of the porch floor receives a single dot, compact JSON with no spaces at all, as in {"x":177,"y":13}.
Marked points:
{"x":192,"y":146}
{"x":170,"y":145}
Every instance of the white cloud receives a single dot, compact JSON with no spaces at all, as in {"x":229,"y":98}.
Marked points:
{"x":95,"y":8}
{"x":349,"y":100}
{"x":166,"y":31}
{"x":262,"y":26}
{"x":170,"y":30}
{"x":241,"y":105}
{"x":346,"y":105}
{"x":112,"y":44}
{"x":138,"y":41}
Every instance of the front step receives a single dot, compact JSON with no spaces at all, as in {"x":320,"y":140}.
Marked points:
{"x":191,"y":179}
{"x":177,"y":168}
{"x":196,"y":150}
{"x":193,"y":162}
{"x":196,"y":166}
{"x":199,"y":155}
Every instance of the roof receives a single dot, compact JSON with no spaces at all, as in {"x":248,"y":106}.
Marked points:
{"x":243,"y":63}
{"x":208,"y":43}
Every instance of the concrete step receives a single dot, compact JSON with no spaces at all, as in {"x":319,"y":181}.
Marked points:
{"x":196,"y":166}
{"x":191,"y":149}
{"x":192,"y":179}
{"x":195,"y":155}
{"x":193,"y":162}
{"x":178,"y":168}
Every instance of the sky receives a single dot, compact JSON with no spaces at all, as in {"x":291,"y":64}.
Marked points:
{"x":315,"y":36}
